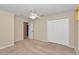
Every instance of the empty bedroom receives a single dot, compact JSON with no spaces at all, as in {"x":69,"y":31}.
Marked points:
{"x":39,"y":29}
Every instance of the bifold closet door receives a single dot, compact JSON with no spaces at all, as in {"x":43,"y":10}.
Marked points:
{"x":58,"y":31}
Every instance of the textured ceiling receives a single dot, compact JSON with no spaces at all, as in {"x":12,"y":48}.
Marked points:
{"x":42,"y":9}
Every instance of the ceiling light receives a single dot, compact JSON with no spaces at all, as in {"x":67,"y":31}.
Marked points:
{"x":32,"y":17}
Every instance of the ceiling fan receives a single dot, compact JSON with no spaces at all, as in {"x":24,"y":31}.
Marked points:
{"x":33,"y":15}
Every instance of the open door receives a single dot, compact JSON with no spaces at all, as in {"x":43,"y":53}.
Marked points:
{"x":30,"y":30}
{"x":26,"y":30}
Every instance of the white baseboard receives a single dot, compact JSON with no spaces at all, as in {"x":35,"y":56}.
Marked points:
{"x":17,"y":40}
{"x":41,"y":40}
{"x":77,"y":51}
{"x":6,"y":46}
{"x":62,"y":44}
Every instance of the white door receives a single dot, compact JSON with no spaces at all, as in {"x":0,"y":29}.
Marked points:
{"x":30,"y":30}
{"x":58,"y":31}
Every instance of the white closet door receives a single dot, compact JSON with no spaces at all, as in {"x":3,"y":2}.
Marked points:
{"x":58,"y":31}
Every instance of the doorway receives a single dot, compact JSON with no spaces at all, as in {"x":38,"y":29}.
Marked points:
{"x":26,"y":30}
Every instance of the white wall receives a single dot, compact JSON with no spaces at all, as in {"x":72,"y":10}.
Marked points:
{"x":40,"y":29}
{"x":58,"y":31}
{"x":19,"y":28}
{"x":6,"y":29}
{"x":40,"y":26}
{"x":76,"y":37}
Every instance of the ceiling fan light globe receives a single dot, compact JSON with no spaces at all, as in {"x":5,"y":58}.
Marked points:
{"x":32,"y":17}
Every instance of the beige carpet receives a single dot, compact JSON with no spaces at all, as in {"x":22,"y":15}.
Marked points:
{"x":34,"y":47}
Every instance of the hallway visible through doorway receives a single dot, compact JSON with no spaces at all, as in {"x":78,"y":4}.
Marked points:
{"x":26,"y":30}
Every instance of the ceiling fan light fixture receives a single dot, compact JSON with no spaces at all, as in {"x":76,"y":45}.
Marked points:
{"x":32,"y":17}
